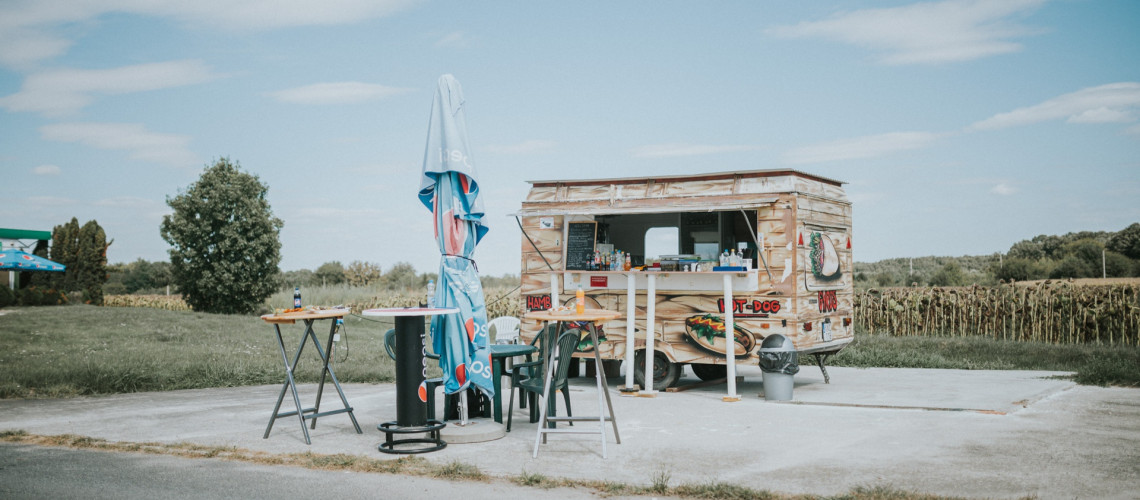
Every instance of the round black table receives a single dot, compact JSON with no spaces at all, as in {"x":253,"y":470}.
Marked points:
{"x":411,"y":405}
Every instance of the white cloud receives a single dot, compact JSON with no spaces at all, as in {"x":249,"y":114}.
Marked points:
{"x":1003,"y":189}
{"x":1111,"y":103}
{"x":525,"y":147}
{"x":679,"y":149}
{"x":336,"y":93}
{"x":62,"y":91}
{"x":27,"y":27}
{"x":453,"y":39}
{"x":870,"y":146}
{"x":46,"y":170}
{"x":139,"y":143}
{"x":929,"y":32}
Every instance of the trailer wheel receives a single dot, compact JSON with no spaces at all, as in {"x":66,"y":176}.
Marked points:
{"x":665,"y":372}
{"x":710,"y":372}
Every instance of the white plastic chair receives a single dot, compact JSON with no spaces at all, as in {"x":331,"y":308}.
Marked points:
{"x":504,"y":329}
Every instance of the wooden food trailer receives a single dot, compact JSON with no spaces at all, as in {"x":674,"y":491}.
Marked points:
{"x":787,"y":232}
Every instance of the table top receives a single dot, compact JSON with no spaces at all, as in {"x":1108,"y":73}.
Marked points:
{"x":410,"y":311}
{"x":292,"y":317}
{"x":511,"y":350}
{"x":595,"y":315}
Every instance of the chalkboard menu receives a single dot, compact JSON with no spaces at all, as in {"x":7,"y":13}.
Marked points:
{"x":580,"y":239}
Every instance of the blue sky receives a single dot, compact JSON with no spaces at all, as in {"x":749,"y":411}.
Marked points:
{"x":961,"y":127}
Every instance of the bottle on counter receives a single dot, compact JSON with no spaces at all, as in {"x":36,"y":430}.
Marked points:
{"x":296,"y":297}
{"x":431,"y":294}
{"x":580,"y":301}
{"x":724,"y":258}
{"x":628,"y":263}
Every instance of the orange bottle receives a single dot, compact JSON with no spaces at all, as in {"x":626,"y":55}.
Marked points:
{"x":580,"y":301}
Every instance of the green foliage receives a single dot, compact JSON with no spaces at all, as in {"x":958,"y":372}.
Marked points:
{"x":92,"y":263}
{"x":141,"y":276}
{"x":330,"y":273}
{"x":949,"y":275}
{"x":402,"y":276}
{"x":1072,"y":266}
{"x":1126,"y":242}
{"x":225,"y":241}
{"x":83,"y":249}
{"x":360,"y":273}
{"x":7,"y":298}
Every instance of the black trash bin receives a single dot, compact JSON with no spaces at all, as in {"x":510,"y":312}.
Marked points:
{"x":779,"y":361}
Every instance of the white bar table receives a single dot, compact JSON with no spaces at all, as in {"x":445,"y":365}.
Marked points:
{"x":592,"y":317}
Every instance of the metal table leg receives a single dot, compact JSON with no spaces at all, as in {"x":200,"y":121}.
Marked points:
{"x":289,"y":384}
{"x":604,"y":395}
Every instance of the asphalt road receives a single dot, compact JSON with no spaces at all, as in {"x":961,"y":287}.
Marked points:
{"x":33,"y":472}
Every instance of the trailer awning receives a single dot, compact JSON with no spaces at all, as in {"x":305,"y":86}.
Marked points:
{"x":641,"y":206}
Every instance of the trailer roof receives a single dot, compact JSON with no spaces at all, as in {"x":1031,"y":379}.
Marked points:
{"x":691,"y":177}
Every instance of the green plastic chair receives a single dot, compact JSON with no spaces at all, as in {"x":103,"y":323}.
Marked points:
{"x":534,"y":385}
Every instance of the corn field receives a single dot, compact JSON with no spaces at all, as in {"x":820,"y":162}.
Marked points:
{"x":167,"y":302}
{"x":1056,"y":312}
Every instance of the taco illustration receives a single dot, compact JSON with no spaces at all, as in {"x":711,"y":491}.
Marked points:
{"x":823,"y":257}
{"x":706,"y":333}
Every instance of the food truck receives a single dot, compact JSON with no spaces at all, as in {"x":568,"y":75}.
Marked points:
{"x":775,"y":243}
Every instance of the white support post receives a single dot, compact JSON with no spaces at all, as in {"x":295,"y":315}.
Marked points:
{"x":630,"y":328}
{"x":554,"y":291}
{"x":730,"y":339}
{"x":650,"y":303}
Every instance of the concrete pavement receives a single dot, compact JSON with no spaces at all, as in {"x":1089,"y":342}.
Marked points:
{"x":952,"y":432}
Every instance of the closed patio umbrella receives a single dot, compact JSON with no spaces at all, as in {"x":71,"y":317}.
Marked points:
{"x":450,"y":189}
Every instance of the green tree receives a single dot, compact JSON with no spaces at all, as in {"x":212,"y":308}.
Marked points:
{"x":359,"y":273}
{"x":1073,"y":267}
{"x":330,"y":273}
{"x":225,"y":241}
{"x":949,"y":275}
{"x":402,"y":276}
{"x":1117,"y":266}
{"x":65,"y":250}
{"x":1126,"y":241}
{"x":91,"y":266}
{"x":83,"y":249}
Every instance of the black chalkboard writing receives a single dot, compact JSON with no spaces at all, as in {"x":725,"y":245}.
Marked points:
{"x":580,"y":239}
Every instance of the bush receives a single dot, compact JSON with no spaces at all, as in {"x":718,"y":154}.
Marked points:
{"x":6,"y":297}
{"x":51,"y":297}
{"x":31,"y":296}
{"x":114,"y":288}
{"x":1072,"y":267}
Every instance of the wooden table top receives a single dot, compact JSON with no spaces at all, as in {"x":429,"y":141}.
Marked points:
{"x":292,"y":317}
{"x":595,"y":315}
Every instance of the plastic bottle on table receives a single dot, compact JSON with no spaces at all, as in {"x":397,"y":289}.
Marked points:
{"x":628,"y":263}
{"x":296,"y":297}
{"x":580,"y":301}
{"x":431,"y":294}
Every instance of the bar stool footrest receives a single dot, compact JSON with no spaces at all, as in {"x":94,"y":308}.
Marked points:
{"x":432,"y":428}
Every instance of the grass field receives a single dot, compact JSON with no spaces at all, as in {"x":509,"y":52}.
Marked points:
{"x":80,"y":350}
{"x":1093,"y":364}
{"x":74,"y":350}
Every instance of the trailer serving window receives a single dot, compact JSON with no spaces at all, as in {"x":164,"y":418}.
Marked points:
{"x":706,"y":234}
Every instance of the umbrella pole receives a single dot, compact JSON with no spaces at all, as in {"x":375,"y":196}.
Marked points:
{"x":463,"y":409}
